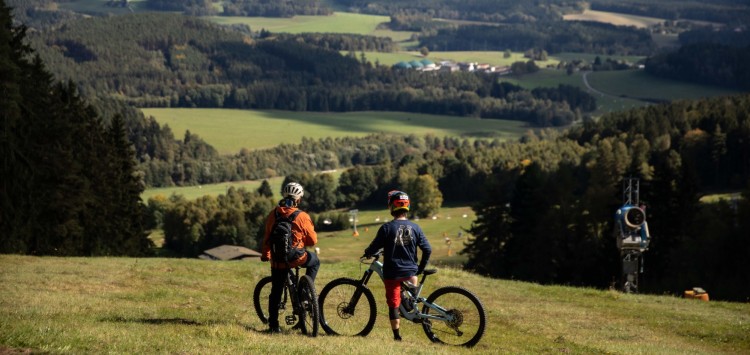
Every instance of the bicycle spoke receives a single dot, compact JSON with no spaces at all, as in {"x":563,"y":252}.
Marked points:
{"x":342,"y":312}
{"x":464,"y":321}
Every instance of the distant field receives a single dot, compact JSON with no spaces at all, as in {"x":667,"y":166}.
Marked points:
{"x":614,"y":18}
{"x":639,"y":84}
{"x":727,"y":197}
{"x":490,"y":57}
{"x":625,"y":88}
{"x":194,"y":192}
{"x":568,"y":56}
{"x":231,"y":130}
{"x":553,"y":78}
{"x":343,"y":246}
{"x":339,"y":22}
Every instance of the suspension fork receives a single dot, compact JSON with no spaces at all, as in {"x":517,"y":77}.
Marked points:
{"x":358,"y":292}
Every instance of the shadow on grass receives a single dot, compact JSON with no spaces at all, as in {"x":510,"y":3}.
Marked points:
{"x":161,"y":321}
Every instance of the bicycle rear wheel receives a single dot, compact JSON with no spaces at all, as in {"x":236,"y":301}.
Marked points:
{"x":347,"y":308}
{"x":260,"y":298}
{"x":309,"y":304}
{"x":261,"y":295}
{"x":466,"y":319}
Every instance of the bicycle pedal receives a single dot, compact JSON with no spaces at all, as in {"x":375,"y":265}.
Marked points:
{"x":289,"y":320}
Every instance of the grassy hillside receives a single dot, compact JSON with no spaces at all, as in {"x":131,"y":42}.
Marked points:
{"x":231,"y":130}
{"x":615,"y":18}
{"x":124,"y":305}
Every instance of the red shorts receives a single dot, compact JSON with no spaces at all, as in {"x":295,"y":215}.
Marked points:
{"x":393,"y":291}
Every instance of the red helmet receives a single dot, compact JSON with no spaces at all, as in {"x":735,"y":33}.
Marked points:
{"x":398,"y":201}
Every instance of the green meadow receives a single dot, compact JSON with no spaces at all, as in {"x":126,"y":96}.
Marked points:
{"x":230,"y":130}
{"x":339,"y":22}
{"x":623,"y":89}
{"x":191,"y":306}
{"x":490,"y":57}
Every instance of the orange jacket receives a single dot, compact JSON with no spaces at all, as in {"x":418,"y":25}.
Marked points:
{"x":303,"y":232}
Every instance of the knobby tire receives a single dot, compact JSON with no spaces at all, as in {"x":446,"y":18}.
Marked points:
{"x":260,"y":298}
{"x":336,"y":316}
{"x":470,"y":322}
{"x":309,"y":304}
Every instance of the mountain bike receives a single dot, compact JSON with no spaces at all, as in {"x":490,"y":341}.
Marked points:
{"x":298,"y":297}
{"x":450,"y":315}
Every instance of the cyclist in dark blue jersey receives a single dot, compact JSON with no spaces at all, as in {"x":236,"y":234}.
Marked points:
{"x":399,"y":240}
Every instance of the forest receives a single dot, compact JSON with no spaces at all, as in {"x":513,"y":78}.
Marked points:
{"x":79,"y":155}
{"x":70,"y":184}
{"x":705,"y":63}
{"x":554,"y":37}
{"x":162,"y":60}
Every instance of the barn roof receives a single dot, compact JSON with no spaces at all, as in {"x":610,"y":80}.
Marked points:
{"x":229,"y":252}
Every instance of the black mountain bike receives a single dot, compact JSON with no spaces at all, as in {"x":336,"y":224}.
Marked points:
{"x":298,"y":306}
{"x":450,"y":315}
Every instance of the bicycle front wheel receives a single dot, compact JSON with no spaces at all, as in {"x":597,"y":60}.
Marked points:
{"x":464,"y":318}
{"x":347,"y":308}
{"x":308,"y":299}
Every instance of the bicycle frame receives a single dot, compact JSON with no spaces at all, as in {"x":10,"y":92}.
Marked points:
{"x":290,"y":289}
{"x":415,"y":315}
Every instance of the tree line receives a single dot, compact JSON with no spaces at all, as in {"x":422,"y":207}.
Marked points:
{"x":567,"y":36}
{"x":555,"y":225}
{"x":705,"y":63}
{"x":259,"y":8}
{"x":505,"y":11}
{"x":70,"y":184}
{"x":729,"y":12}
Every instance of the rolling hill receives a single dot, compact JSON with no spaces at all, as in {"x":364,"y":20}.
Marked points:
{"x":153,"y":305}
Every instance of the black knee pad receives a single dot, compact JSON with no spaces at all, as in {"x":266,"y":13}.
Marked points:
{"x":393,"y":313}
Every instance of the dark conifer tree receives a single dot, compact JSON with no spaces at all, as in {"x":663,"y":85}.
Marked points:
{"x":57,"y":197}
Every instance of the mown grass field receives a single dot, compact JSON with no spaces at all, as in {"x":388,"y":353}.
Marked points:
{"x":624,"y":89}
{"x":490,"y":57}
{"x":230,"y":130}
{"x":339,"y":22}
{"x":614,"y":18}
{"x":191,"y":306}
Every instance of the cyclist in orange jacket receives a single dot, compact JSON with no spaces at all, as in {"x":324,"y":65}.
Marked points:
{"x":303,"y":233}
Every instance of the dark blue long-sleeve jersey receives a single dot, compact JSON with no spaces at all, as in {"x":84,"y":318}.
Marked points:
{"x":399,"y":240}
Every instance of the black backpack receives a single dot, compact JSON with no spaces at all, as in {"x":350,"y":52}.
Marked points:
{"x":281,"y":239}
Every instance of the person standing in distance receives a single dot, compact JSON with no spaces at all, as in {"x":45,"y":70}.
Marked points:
{"x":303,"y":235}
{"x":399,"y":240}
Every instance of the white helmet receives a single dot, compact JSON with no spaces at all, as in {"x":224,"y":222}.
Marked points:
{"x":293,"y":189}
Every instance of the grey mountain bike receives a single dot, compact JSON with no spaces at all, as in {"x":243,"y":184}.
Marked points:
{"x":450,"y":315}
{"x":298,"y":306}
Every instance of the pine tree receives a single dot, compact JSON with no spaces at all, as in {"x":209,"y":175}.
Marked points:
{"x":67,"y":188}
{"x":15,"y":164}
